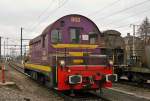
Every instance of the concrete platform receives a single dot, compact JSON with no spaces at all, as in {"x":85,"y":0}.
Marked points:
{"x":7,"y":83}
{"x":119,"y":95}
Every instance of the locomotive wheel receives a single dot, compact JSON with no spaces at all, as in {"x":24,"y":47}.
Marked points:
{"x":134,"y":77}
{"x":130,"y":76}
{"x":140,"y":79}
{"x":119,"y":72}
{"x":34,"y":75}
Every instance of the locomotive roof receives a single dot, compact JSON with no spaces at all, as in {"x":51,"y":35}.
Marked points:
{"x":36,"y":39}
{"x":112,"y":32}
{"x":48,"y":28}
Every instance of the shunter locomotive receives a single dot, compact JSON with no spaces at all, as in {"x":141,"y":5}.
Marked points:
{"x":115,"y":50}
{"x":66,"y":56}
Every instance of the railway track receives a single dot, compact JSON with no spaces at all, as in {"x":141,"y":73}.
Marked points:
{"x":80,"y":96}
{"x":18,"y":68}
{"x":83,"y":96}
{"x":140,"y":85}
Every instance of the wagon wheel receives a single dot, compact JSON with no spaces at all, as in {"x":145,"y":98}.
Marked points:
{"x":130,"y":76}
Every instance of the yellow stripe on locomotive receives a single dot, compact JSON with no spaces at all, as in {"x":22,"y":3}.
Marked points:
{"x":75,"y":46}
{"x":38,"y":67}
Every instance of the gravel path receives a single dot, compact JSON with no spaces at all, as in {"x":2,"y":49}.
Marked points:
{"x":25,"y":89}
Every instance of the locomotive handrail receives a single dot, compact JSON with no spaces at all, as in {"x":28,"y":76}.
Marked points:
{"x":95,"y":55}
{"x":86,"y":65}
{"x":83,"y":60}
{"x":65,"y":53}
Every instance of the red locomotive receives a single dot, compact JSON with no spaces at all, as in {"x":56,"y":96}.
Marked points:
{"x":66,"y":56}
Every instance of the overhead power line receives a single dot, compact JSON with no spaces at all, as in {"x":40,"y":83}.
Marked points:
{"x":125,"y":9}
{"x":42,"y":13}
{"x":126,"y":25}
{"x":123,"y":19}
{"x":46,"y":9}
{"x":51,"y":12}
{"x":105,"y":7}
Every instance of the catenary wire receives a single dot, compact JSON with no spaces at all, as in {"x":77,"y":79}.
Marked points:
{"x":52,"y":12}
{"x":102,"y":9}
{"x":122,"y":10}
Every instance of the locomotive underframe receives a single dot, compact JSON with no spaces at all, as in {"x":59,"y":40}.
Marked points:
{"x":92,"y":76}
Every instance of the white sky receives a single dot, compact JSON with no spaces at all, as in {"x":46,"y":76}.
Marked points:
{"x":35,"y":15}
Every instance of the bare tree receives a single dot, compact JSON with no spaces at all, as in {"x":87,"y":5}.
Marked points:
{"x":144,"y":29}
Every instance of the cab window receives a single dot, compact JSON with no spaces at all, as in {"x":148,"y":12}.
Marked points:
{"x":93,"y":38}
{"x":56,"y":36}
{"x":75,"y":35}
{"x":43,"y":41}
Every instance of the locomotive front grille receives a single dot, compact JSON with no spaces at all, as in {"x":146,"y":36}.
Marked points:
{"x":75,"y":79}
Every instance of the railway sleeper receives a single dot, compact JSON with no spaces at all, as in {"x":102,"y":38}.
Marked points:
{"x":81,"y":96}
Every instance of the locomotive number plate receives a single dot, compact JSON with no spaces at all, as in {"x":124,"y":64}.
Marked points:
{"x":75,"y":19}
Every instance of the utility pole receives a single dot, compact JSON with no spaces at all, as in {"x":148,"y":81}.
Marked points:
{"x":146,"y":31}
{"x":25,"y":50}
{"x":7,"y":47}
{"x":146,"y":35}
{"x":0,"y":49}
{"x":21,"y":44}
{"x":133,"y":44}
{"x":21,"y":40}
{"x":4,"y":50}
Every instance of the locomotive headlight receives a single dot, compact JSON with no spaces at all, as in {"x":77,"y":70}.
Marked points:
{"x":111,"y":62}
{"x":62,"y":62}
{"x":75,"y":79}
